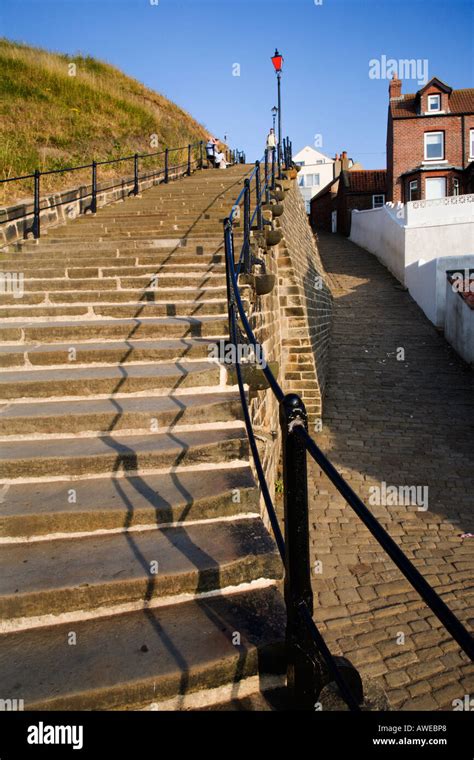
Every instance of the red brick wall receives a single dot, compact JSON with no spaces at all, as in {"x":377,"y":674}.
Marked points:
{"x":346,"y":204}
{"x":320,"y":216}
{"x":408,"y":146}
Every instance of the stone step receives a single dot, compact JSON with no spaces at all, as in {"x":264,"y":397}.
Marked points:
{"x":114,"y":453}
{"x":116,"y":269}
{"x":143,"y":308}
{"x":197,"y":279}
{"x":122,"y":329}
{"x":122,"y":446}
{"x":35,"y":263}
{"x":153,"y":232}
{"x":113,"y":352}
{"x":89,"y":298}
{"x":137,"y":658}
{"x":70,"y":574}
{"x":88,"y":381}
{"x":180,"y":213}
{"x":111,"y":503}
{"x":58,"y":247}
{"x":110,"y":414}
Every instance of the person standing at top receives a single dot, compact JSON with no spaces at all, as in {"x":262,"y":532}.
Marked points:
{"x":211,"y":150}
{"x":271,"y":143}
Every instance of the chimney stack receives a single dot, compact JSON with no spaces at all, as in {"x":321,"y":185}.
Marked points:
{"x":395,"y":88}
{"x":344,"y":161}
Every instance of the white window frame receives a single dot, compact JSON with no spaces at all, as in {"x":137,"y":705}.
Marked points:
{"x":456,"y":186}
{"x":438,"y":158}
{"x":379,"y":205}
{"x":429,"y":101}
{"x":471,"y":143}
{"x":412,"y":189}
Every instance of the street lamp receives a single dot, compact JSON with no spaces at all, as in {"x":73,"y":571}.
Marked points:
{"x":277,"y":60}
{"x":274,"y":112}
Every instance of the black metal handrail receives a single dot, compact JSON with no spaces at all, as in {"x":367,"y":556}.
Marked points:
{"x":232,"y":156}
{"x":304,"y":641}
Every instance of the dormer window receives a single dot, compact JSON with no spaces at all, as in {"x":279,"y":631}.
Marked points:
{"x":434,"y":103}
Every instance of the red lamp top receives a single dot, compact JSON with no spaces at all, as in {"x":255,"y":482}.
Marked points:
{"x":277,"y":61}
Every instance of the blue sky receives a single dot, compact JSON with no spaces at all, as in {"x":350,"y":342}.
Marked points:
{"x":186,"y":49}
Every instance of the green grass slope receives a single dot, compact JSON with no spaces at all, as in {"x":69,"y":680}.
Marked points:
{"x":58,"y":110}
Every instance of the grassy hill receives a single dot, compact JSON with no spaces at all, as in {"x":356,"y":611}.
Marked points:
{"x":50,"y":119}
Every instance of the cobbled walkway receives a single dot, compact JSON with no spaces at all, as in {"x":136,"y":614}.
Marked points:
{"x":404,"y":422}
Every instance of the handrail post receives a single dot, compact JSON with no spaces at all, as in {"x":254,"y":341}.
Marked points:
{"x":36,"y":228}
{"x":189,"y":161}
{"x":166,"y":165}
{"x":259,"y":195}
{"x":273,"y":168}
{"x":135,"y":174}
{"x":301,"y":673}
{"x":93,"y":206}
{"x":201,"y":159}
{"x":246,"y":261}
{"x":267,"y":189}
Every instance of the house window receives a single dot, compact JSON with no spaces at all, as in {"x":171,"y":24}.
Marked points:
{"x":434,"y":103}
{"x":455,"y":186}
{"x":434,"y":146}
{"x":413,"y":190}
{"x":471,"y":143}
{"x":308,"y":207}
{"x":308,"y":180}
{"x":435,"y":187}
{"x":378,"y":201}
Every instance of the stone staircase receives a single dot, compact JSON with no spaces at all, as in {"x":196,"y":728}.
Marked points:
{"x":135,"y":569}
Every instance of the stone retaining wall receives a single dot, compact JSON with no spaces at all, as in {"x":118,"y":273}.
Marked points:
{"x":293,"y":323}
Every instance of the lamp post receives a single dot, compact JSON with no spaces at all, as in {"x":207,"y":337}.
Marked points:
{"x":274,"y":112}
{"x":277,"y":60}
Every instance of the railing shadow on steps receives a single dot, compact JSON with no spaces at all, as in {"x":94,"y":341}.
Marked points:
{"x":189,"y":157}
{"x":310,"y":664}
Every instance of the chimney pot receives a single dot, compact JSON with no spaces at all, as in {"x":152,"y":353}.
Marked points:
{"x":395,"y":88}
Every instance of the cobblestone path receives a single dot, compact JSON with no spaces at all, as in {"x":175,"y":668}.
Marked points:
{"x":402,"y":422}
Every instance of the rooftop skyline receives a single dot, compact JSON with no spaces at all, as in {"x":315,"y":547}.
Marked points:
{"x":212,"y":57}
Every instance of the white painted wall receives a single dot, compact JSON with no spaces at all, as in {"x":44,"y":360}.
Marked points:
{"x":314,"y":162}
{"x":459,"y":324}
{"x":378,"y":231}
{"x":418,"y":242}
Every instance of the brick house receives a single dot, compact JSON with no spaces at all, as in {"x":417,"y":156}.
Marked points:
{"x":430,"y":142}
{"x":353,"y":188}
